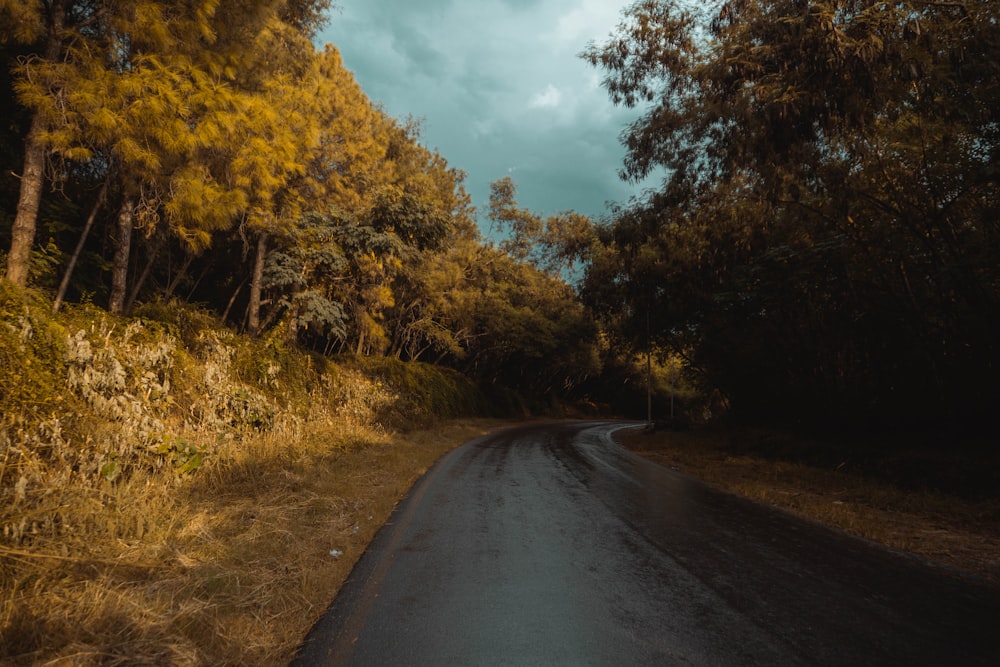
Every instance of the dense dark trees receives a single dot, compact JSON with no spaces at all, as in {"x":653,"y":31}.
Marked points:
{"x":825,"y":242}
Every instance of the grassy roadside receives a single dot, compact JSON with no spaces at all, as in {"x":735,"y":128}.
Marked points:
{"x":235,"y":565}
{"x":172,"y":493}
{"x":959,"y":531}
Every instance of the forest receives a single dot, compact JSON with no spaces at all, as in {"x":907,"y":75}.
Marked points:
{"x":824,"y":247}
{"x":822,"y":250}
{"x":206,"y":153}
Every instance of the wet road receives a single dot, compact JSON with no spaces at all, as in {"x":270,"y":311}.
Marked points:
{"x":551,"y":545}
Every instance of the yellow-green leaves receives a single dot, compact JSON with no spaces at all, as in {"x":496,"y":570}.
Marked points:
{"x":21,"y":21}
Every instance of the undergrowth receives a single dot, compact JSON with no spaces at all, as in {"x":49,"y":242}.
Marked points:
{"x":164,"y":483}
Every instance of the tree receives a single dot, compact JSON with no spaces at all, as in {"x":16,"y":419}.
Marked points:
{"x":555,"y":244}
{"x":520,"y":227}
{"x":530,"y":332}
{"x":161,"y":95}
{"x":29,"y":19}
{"x":349,"y":161}
{"x":404,"y":223}
{"x":278,"y":132}
{"x":303,"y":272}
{"x":826,"y":233}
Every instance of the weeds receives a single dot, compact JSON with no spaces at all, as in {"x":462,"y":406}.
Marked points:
{"x":170,"y":493}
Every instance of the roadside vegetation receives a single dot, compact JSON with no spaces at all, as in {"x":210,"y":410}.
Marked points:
{"x":824,"y":246}
{"x":247,"y":173}
{"x":235,"y":290}
{"x":177,"y":494}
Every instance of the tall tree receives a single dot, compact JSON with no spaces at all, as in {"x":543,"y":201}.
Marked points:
{"x":827,"y":224}
{"x":349,"y":163}
{"x":520,"y":227}
{"x":29,"y":19}
{"x":282,"y":134}
{"x":171,"y":97}
{"x":557,"y":243}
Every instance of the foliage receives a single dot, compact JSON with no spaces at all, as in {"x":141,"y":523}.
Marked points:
{"x":534,"y":332}
{"x":88,"y":398}
{"x":223,"y":161}
{"x":31,"y":353}
{"x":824,"y":245}
{"x":556,"y":244}
{"x":181,"y":320}
{"x":422,"y":389}
{"x":151,"y":467}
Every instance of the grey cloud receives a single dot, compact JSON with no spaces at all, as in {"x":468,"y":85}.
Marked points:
{"x":424,"y":58}
{"x":470,"y":72}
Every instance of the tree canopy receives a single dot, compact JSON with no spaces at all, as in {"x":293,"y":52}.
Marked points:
{"x":825,"y":241}
{"x":207,"y":152}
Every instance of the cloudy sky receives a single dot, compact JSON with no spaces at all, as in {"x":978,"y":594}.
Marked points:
{"x":500,"y":90}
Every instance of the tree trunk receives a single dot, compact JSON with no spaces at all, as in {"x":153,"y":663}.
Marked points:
{"x":64,"y":285}
{"x":361,"y":343}
{"x":197,"y":281}
{"x":144,"y":276}
{"x":292,"y":331}
{"x":232,"y":300}
{"x":119,"y":265}
{"x":253,"y":315}
{"x":22,"y":236}
{"x":188,"y":259}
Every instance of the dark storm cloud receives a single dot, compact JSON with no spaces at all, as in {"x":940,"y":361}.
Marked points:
{"x":499,"y":88}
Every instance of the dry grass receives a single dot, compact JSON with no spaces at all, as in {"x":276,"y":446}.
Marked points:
{"x":173,"y":494}
{"x":959,"y":533}
{"x":232,"y":566}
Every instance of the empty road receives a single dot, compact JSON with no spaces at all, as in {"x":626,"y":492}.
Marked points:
{"x":551,"y":545}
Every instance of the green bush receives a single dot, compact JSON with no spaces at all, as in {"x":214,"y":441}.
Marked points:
{"x":425,"y":392}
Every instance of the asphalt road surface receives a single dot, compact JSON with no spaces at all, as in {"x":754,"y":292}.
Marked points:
{"x":551,"y":545}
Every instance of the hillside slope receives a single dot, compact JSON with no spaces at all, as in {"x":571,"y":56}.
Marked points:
{"x":172,"y":493}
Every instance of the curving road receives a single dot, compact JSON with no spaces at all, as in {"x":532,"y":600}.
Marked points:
{"x":551,"y":545}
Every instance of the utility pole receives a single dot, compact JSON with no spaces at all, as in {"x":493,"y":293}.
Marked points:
{"x":673,"y":376}
{"x":649,"y":373}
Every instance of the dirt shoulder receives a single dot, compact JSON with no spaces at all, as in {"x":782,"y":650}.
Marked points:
{"x":945,"y":528}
